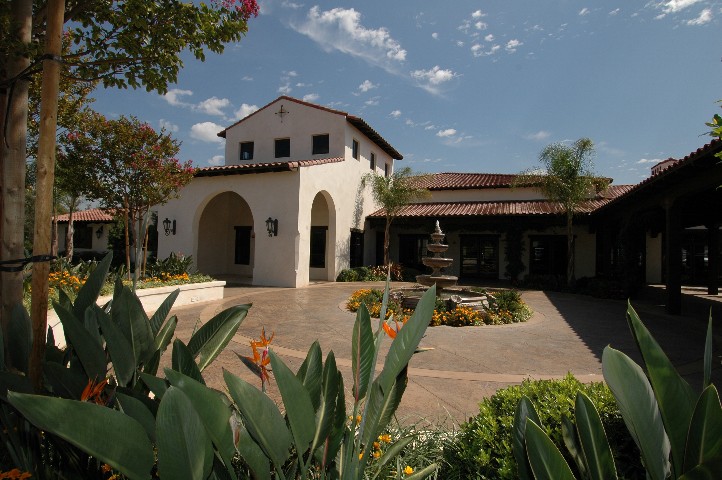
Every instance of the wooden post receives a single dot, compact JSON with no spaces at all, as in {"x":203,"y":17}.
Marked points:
{"x":673,"y":257}
{"x":712,"y":258}
{"x":45,"y":180}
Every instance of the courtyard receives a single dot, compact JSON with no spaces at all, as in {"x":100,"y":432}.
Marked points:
{"x":567,"y":333}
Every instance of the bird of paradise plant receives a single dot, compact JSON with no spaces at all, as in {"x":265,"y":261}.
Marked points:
{"x":259,"y":362}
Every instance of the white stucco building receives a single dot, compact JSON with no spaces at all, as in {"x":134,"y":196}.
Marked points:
{"x":292,"y":162}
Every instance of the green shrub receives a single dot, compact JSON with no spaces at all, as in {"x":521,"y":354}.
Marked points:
{"x":175,"y":264}
{"x":347,"y":275}
{"x":483,"y":448}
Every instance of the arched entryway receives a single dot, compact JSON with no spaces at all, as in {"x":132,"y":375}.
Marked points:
{"x":225,"y":237}
{"x":322,"y":244}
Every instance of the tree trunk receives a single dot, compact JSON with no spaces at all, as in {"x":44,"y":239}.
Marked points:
{"x":387,"y":240}
{"x":127,"y":238}
{"x":13,"y":140}
{"x":54,"y":233}
{"x":69,"y":233}
{"x":45,"y":180}
{"x":571,"y":280}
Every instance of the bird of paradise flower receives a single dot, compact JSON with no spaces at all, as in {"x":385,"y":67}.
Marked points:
{"x":260,"y":360}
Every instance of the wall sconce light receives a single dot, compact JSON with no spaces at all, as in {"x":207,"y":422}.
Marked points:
{"x":272,"y":227}
{"x":99,"y":232}
{"x":168,"y":226}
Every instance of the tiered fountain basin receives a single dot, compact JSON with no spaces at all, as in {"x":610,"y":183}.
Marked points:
{"x":453,"y":295}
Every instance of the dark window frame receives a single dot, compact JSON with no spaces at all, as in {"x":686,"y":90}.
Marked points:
{"x":549,"y":255}
{"x":387,"y":170}
{"x":320,"y":144}
{"x":282,"y":147}
{"x":355,"y":149}
{"x":82,"y":236}
{"x":412,"y":248}
{"x":372,"y":161}
{"x":242,"y":245}
{"x":317,"y":254}
{"x":246,"y":150}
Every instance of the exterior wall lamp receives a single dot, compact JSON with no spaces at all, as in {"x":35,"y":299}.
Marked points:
{"x":168,"y":226}
{"x":99,"y":232}
{"x":272,"y":227}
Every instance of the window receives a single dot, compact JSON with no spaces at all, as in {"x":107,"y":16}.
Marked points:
{"x":372,"y":162}
{"x":412,"y":248}
{"x":242,"y":254}
{"x":355,"y":149}
{"x":356,"y":249}
{"x":548,"y":254}
{"x":387,"y":169}
{"x":318,"y":247}
{"x":82,"y":236}
{"x":480,"y":256}
{"x":283,"y":147}
{"x":246,"y":150}
{"x":320,"y":144}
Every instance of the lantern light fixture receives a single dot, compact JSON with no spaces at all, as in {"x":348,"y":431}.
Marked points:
{"x":168,"y":226}
{"x":99,"y":232}
{"x":272,"y":227}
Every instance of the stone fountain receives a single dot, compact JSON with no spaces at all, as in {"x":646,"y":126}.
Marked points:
{"x":437,"y":263}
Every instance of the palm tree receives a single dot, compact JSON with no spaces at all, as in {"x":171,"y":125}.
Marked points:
{"x":568,"y":178}
{"x":392,"y":193}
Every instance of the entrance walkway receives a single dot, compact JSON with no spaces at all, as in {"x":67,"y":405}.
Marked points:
{"x":566,"y":334}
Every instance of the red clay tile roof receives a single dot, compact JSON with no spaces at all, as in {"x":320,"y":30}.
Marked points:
{"x":357,"y":122}
{"x":502,"y":208}
{"x":246,"y":168}
{"x":93,"y":215}
{"x":464,"y":181}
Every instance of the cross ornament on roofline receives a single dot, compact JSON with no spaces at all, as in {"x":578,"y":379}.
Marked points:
{"x":281,"y":113}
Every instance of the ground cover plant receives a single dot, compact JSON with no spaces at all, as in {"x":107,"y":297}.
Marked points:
{"x":501,"y":307}
{"x":105,"y":409}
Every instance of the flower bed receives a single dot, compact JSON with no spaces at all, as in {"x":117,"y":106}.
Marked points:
{"x":503,"y":307}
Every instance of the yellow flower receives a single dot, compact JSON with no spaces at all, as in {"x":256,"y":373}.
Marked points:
{"x":377,"y":454}
{"x":377,"y":445}
{"x":408,"y":470}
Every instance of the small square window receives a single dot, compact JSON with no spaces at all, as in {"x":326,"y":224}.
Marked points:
{"x":355,"y":149}
{"x":246,"y":150}
{"x":372,"y":162}
{"x":320,"y":144}
{"x":283,"y":147}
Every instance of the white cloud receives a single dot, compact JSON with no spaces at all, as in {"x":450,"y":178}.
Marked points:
{"x":395,"y":113}
{"x":614,"y":12}
{"x":366,"y":86}
{"x":435,"y":36}
{"x":649,"y":160}
{"x":285,"y":89}
{"x":512,"y":45}
{"x":169,"y":126}
{"x":434,"y":76}
{"x":292,"y":73}
{"x":213,"y":106}
{"x":480,"y":25}
{"x":705,"y":16}
{"x":449,"y":132}
{"x":459,"y":43}
{"x":673,"y":6}
{"x":245,"y":110}
{"x":247,"y":78}
{"x":478,"y":50}
{"x":341,"y":29}
{"x":489,"y":38}
{"x":584,"y":11}
{"x":206,"y":132}
{"x":478,"y":14}
{"x":372,"y":102}
{"x":311,"y":97}
{"x":216,"y":160}
{"x":540,"y":135}
{"x":292,"y":5}
{"x":174,"y":95}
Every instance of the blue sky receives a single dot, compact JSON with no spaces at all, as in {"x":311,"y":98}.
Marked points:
{"x":465,"y":86}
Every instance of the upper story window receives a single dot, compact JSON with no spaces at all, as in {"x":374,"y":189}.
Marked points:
{"x":387,"y":169}
{"x":355,"y":149}
{"x":320,"y":144}
{"x":246,"y":150}
{"x":372,"y":162}
{"x":283,"y":147}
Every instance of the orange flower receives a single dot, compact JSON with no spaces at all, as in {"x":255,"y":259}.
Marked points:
{"x":390,"y":331}
{"x":260,"y":360}
{"x":94,"y":392}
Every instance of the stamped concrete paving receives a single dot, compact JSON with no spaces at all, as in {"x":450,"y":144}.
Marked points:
{"x":566,"y":334}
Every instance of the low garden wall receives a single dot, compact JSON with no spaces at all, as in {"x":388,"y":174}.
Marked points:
{"x":152,"y":298}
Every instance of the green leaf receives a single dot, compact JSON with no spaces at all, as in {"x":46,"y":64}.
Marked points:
{"x":165,"y":334}
{"x":338,"y":428}
{"x":704,"y":442}
{"x":65,"y":382}
{"x":569,"y":435}
{"x":598,"y":457}
{"x":151,"y":366}
{"x":423,"y":473}
{"x":706,"y":471}
{"x":211,"y":409}
{"x":91,"y":324}
{"x":121,"y":352}
{"x":380,"y":408}
{"x":136,"y":409}
{"x":214,"y":335}
{"x":20,"y":336}
{"x":184,"y":450}
{"x":156,"y":321}
{"x":156,"y":385}
{"x":182,"y":361}
{"x":90,"y":353}
{"x":310,"y":373}
{"x":88,"y":293}
{"x":297,"y":403}
{"x":121,"y":442}
{"x":327,"y":407}
{"x":362,"y":352}
{"x":708,"y":354}
{"x":393,"y":450}
{"x":408,"y":338}
{"x":675,"y":397}
{"x":128,"y":313}
{"x":638,"y":406}
{"x":253,"y":456}
{"x":262,"y":418}
{"x":545,"y":459}
{"x":524,"y":409}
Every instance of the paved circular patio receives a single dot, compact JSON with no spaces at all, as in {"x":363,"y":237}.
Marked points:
{"x":567,"y":333}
